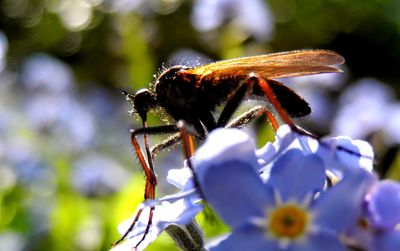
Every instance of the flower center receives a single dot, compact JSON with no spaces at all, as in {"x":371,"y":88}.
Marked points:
{"x":288,"y":221}
{"x":363,"y":223}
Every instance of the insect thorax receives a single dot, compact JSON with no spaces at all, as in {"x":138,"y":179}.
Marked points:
{"x":175,"y":90}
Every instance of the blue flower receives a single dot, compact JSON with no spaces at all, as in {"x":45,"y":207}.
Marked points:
{"x":98,"y":175}
{"x":338,"y":153}
{"x":42,"y":72}
{"x":176,"y":209}
{"x":251,"y":16}
{"x":377,"y":229}
{"x":360,"y":111}
{"x":289,"y":211}
{"x":273,"y":197}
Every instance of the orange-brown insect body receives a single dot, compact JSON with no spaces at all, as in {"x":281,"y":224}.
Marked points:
{"x":192,"y":94}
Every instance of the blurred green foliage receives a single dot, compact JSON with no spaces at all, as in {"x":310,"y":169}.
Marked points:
{"x":121,"y":44}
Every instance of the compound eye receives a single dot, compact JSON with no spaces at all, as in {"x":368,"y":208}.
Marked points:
{"x":144,"y":101}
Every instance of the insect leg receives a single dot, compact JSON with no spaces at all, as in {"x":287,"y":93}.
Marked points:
{"x":272,"y":120}
{"x":232,"y":104}
{"x":156,"y":130}
{"x":195,"y":129}
{"x":151,"y":180}
{"x":238,"y":122}
{"x":270,"y":95}
{"x":167,"y":143}
{"x":147,"y":166}
{"x":188,"y":150}
{"x":251,"y":115}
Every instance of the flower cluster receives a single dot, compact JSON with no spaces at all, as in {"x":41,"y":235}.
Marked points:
{"x":297,"y":193}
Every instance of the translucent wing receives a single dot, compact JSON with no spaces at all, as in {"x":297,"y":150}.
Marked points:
{"x":276,"y":65}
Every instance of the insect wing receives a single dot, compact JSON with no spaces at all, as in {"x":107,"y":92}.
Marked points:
{"x":276,"y":65}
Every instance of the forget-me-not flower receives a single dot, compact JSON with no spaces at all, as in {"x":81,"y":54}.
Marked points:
{"x":176,"y":209}
{"x":289,"y":211}
{"x":338,"y":153}
{"x":378,"y":228}
{"x":275,"y":197}
{"x":364,"y":109}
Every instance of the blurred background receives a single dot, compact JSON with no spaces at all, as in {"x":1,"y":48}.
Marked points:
{"x":68,"y":175}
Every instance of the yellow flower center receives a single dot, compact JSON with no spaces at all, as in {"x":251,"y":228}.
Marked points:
{"x":288,"y":221}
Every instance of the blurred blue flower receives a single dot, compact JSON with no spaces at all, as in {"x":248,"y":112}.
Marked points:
{"x":79,"y":123}
{"x":364,"y":108}
{"x":31,"y":170}
{"x":378,"y":228}
{"x":43,"y":72}
{"x":249,"y":15}
{"x":96,"y":175}
{"x":62,"y":115}
{"x":284,"y":212}
{"x":316,"y":90}
{"x":51,"y":104}
{"x":44,"y":109}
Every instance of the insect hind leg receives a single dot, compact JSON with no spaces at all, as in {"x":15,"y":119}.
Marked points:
{"x":272,"y":98}
{"x":269,"y":93}
{"x":252,"y":114}
{"x":233,"y":103}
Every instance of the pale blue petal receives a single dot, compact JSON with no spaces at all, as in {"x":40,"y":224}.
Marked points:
{"x":254,"y":239}
{"x":283,"y":139}
{"x":296,"y":175}
{"x":227,"y":169}
{"x":341,"y":206}
{"x":180,"y":208}
{"x":384,"y":205}
{"x":181,"y":178}
{"x":387,"y":241}
{"x":226,"y":144}
{"x":319,"y":242}
{"x":391,"y":126}
{"x":341,"y":153}
{"x":251,"y":239}
{"x":235,"y":191}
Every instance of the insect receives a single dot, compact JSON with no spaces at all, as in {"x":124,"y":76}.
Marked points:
{"x":192,"y":95}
